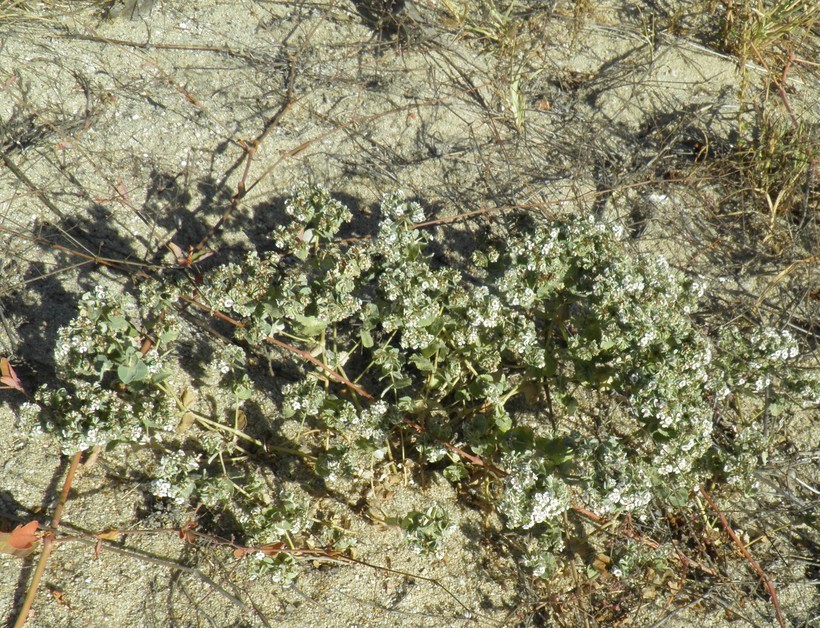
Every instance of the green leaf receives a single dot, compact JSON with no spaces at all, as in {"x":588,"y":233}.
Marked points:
{"x":272,"y":308}
{"x":422,"y":363}
{"x":310,"y":325}
{"x":427,"y":320}
{"x":556,"y":450}
{"x":455,"y":472}
{"x":400,"y":381}
{"x":117,"y":323}
{"x":678,"y":498}
{"x":569,"y":402}
{"x":102,"y":365}
{"x":367,"y":339}
{"x":370,"y":312}
{"x":775,"y":409}
{"x":503,"y":421}
{"x":129,"y":373}
{"x":161,"y":376}
{"x":243,"y":389}
{"x":434,"y":347}
{"x":520,"y":439}
{"x":168,"y":335}
{"x":607,"y":344}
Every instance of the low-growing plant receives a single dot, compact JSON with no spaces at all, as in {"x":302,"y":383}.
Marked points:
{"x":509,"y":33}
{"x":558,"y":372}
{"x":426,"y":530}
{"x":775,"y":166}
{"x":758,"y":30}
{"x":494,"y":24}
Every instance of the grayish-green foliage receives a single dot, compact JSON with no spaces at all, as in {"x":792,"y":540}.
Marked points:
{"x":574,"y":369}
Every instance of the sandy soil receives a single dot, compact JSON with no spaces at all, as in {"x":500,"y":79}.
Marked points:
{"x":126,"y":125}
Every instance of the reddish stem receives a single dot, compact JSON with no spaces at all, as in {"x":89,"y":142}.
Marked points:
{"x":747,"y":555}
{"x":48,"y":543}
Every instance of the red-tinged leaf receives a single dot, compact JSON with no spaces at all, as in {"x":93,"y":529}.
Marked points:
{"x":21,"y":541}
{"x":273,"y":549}
{"x":109,"y":535}
{"x":186,"y":260}
{"x":270,"y":549}
{"x":182,"y":259}
{"x":60,"y":597}
{"x":24,"y":537}
{"x":8,"y":377}
{"x":122,"y":190}
{"x":186,"y":535}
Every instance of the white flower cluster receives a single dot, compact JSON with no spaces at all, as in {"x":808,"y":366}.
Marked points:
{"x":397,"y":209}
{"x":302,"y":399}
{"x":106,"y":336}
{"x":174,"y":479}
{"x":531,"y":494}
{"x":227,"y":359}
{"x":778,"y":346}
{"x":89,"y":415}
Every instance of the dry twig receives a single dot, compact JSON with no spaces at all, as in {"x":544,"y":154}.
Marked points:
{"x":755,"y":566}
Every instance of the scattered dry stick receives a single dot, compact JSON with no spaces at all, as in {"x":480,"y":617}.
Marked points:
{"x":188,"y":534}
{"x":251,"y":149}
{"x":637,"y":536}
{"x":747,"y":555}
{"x":782,"y":83}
